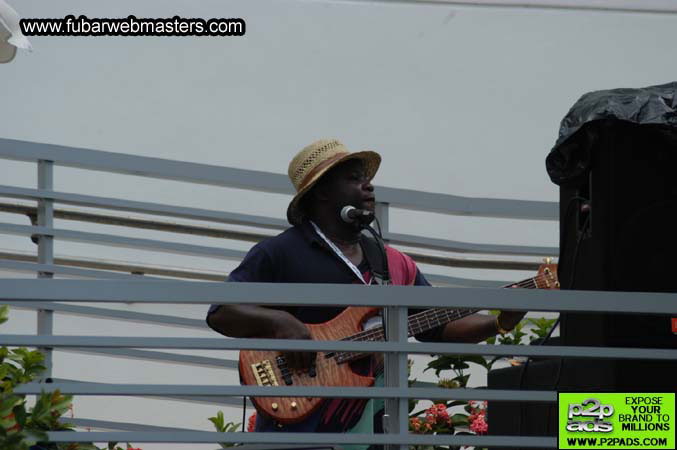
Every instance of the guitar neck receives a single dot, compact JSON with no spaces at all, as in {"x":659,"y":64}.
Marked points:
{"x":435,"y":317}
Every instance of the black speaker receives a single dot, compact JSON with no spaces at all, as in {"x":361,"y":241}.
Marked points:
{"x":618,"y":233}
{"x":520,"y":418}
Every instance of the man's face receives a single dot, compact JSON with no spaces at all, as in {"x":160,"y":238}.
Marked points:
{"x":347,"y":184}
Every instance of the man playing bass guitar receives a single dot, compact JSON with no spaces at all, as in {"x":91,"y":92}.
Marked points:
{"x":321,"y":247}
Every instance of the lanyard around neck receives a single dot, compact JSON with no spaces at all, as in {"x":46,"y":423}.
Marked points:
{"x":339,"y":253}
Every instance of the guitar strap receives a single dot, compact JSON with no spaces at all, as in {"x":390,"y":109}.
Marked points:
{"x":373,"y":255}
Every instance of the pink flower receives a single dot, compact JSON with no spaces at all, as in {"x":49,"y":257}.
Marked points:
{"x":479,"y":424}
{"x":442,"y":413}
{"x":437,"y":414}
{"x":415,"y":424}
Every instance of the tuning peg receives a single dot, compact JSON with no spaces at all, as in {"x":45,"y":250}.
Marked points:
{"x":547,"y":260}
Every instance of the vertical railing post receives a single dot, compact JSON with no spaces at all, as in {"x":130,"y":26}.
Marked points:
{"x":395,"y":419}
{"x":382,"y":214}
{"x":46,"y":252}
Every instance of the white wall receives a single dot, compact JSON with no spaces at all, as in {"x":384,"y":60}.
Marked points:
{"x":457,"y":99}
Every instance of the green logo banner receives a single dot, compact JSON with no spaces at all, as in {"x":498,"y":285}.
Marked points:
{"x":616,"y":420}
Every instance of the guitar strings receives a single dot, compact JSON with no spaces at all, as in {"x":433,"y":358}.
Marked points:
{"x":377,"y":332}
{"x":427,"y":315}
{"x":368,"y":334}
{"x":417,"y":323}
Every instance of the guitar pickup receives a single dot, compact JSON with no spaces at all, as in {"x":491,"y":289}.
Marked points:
{"x":263,"y":372}
{"x":284,"y":370}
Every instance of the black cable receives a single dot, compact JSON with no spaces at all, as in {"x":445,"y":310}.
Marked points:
{"x":244,"y":410}
{"x":378,"y":225}
{"x":579,"y":239}
{"x":574,"y":261}
{"x":525,"y":366}
{"x":567,"y":211}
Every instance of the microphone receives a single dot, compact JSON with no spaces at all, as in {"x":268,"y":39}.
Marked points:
{"x":350,"y":214}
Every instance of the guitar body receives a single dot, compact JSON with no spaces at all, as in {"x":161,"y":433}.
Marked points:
{"x":261,"y":368}
{"x":268,"y":368}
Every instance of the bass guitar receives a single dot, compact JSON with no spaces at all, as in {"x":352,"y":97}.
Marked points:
{"x":269,"y":368}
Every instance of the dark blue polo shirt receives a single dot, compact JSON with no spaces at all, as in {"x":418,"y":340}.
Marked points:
{"x":300,"y":255}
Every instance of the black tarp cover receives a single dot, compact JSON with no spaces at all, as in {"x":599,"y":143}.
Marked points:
{"x":567,"y":162}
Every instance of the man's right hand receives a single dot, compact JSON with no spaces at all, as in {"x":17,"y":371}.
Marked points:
{"x":268,"y":323}
{"x":290,"y":327}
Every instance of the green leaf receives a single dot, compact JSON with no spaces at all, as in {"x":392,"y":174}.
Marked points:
{"x":460,"y":419}
{"x":85,"y":446}
{"x":4,"y":314}
{"x":541,"y":328}
{"x":218,"y":421}
{"x":232,"y":427}
{"x":20,"y":414}
{"x":447,"y":362}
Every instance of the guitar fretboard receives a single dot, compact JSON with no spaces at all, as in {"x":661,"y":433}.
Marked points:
{"x":431,"y":318}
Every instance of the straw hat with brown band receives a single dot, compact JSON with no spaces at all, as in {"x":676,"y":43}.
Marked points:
{"x":311,"y":163}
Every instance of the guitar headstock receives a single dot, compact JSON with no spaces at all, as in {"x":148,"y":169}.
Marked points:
{"x":547,"y":275}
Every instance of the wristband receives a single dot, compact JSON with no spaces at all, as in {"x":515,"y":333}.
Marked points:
{"x":499,"y":328}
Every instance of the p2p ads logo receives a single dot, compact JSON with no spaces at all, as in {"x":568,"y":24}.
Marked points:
{"x":616,"y":420}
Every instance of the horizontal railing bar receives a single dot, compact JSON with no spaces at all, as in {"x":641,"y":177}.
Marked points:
{"x":122,"y":426}
{"x":467,"y":247}
{"x":265,"y":181}
{"x":498,"y":208}
{"x":103,"y":269}
{"x":144,"y":207}
{"x":193,"y":292}
{"x":145,"y":166}
{"x":231,"y":401}
{"x":241,"y":219}
{"x":19,"y":266}
{"x":162,"y":357}
{"x":108,"y":313}
{"x":120,"y":241}
{"x":56,"y":341}
{"x":303,"y":438}
{"x":147,"y":390}
{"x":257,"y":237}
{"x":394,"y":238}
{"x":463,"y":282}
{"x":139,"y":223}
{"x":475,"y":264}
{"x":631,"y":6}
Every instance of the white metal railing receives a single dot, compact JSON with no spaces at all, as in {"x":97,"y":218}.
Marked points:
{"x":400,"y":297}
{"x":48,"y":295}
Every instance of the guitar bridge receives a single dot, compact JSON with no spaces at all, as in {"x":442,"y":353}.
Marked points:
{"x":263,"y":372}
